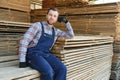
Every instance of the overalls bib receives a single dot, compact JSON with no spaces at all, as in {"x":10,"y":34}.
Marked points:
{"x":40,"y":58}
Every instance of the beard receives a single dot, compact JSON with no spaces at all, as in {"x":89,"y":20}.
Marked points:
{"x":49,"y":22}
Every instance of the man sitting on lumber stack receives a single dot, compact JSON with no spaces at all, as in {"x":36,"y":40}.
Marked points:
{"x":35,"y":46}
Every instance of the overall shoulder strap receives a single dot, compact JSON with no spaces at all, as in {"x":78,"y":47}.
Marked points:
{"x":53,"y":32}
{"x":42,"y":27}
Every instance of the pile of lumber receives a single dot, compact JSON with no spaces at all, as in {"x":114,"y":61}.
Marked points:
{"x":13,"y":15}
{"x":8,"y":43}
{"x":10,"y":33}
{"x":100,"y":19}
{"x":9,"y":67}
{"x":22,"y":5}
{"x":71,"y":3}
{"x":86,"y":57}
{"x":16,"y":27}
{"x":64,"y":3}
{"x":14,"y":21}
{"x":15,"y":10}
{"x":92,"y":19}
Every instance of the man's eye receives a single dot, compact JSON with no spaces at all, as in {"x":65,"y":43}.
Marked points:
{"x":50,"y":14}
{"x":55,"y":16}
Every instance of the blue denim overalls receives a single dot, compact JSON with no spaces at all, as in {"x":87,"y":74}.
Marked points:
{"x":40,"y":58}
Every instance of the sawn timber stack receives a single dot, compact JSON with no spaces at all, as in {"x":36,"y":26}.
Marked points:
{"x":15,"y":10}
{"x":10,"y":34}
{"x":86,"y":57}
{"x":99,"y":19}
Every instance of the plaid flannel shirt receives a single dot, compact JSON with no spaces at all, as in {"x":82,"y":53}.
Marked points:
{"x":32,"y":35}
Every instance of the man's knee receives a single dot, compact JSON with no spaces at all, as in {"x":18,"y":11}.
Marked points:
{"x":63,"y":68}
{"x":49,"y":73}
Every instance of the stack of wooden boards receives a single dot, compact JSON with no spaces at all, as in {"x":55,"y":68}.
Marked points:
{"x":10,"y":33}
{"x":92,"y":19}
{"x":15,"y":10}
{"x":86,"y":57}
{"x":100,"y":19}
{"x":14,"y":21}
{"x":63,"y":3}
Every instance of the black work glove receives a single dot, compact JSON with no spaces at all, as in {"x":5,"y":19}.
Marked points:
{"x":62,"y":19}
{"x":22,"y":65}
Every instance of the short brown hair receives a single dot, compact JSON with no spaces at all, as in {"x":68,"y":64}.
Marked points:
{"x":54,"y":9}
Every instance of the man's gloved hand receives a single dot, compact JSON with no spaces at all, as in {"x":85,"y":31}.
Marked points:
{"x":62,"y":19}
{"x":22,"y":65}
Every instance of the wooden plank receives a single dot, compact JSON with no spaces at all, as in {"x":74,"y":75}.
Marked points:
{"x":77,"y":49}
{"x":84,"y":57}
{"x":82,"y":42}
{"x":66,"y":3}
{"x":85,"y":74}
{"x":9,"y":43}
{"x":76,"y":38}
{"x":11,"y":23}
{"x":8,"y":39}
{"x":22,"y":5}
{"x":8,"y":58}
{"x":13,"y":15}
{"x":85,"y":65}
{"x":29,"y":77}
{"x":90,"y":9}
{"x":36,"y":79}
{"x":81,"y":62}
{"x":15,"y":72}
{"x":98,"y":77}
{"x":9,"y":63}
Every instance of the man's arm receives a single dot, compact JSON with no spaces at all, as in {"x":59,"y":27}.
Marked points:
{"x":67,"y":34}
{"x":24,"y":42}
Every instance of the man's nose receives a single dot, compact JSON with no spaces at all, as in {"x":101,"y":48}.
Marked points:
{"x":51,"y":17}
